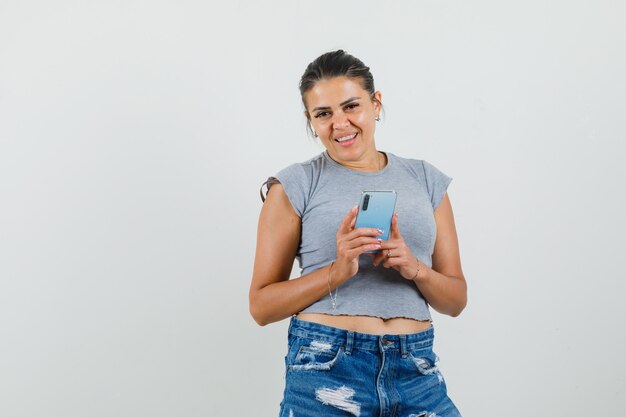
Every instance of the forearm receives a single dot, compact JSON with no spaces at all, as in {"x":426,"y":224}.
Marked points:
{"x":446,"y":294}
{"x":283,"y":299}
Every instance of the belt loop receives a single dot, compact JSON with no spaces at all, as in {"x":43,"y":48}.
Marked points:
{"x":403,"y":347}
{"x":349,"y":342}
{"x":291,"y":324}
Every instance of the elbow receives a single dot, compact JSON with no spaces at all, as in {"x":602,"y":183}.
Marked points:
{"x":458,"y":309}
{"x":258,"y":318}
{"x":257,"y":313}
{"x":457,"y":312}
{"x":456,"y":303}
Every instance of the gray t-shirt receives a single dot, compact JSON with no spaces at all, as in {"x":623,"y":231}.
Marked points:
{"x":322,"y":192}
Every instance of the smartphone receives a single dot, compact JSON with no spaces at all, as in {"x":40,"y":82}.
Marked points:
{"x":376,"y":209}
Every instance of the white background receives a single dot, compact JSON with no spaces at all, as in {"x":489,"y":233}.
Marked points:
{"x":135,"y":135}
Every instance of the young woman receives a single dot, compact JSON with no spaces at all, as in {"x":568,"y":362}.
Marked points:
{"x":360,"y":337}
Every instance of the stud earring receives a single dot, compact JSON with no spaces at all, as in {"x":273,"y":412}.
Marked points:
{"x":377,"y":118}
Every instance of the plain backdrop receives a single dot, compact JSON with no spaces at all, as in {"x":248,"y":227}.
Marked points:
{"x":135,"y":136}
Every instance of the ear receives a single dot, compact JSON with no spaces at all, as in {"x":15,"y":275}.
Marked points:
{"x":378,"y":100}
{"x":307,"y":115}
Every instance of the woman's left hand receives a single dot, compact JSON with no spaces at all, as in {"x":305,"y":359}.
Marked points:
{"x":394,"y":253}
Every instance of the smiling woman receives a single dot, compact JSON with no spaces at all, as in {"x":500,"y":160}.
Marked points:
{"x":346,"y":126}
{"x":369,"y":351}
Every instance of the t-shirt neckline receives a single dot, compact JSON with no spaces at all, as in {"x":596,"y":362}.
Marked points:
{"x":357,"y":172}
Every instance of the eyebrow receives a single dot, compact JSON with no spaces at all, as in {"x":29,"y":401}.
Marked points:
{"x":343,"y":103}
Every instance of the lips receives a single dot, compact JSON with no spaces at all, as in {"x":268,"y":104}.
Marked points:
{"x":346,"y":138}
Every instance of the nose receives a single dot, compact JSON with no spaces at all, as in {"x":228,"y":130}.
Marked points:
{"x":340,"y":121}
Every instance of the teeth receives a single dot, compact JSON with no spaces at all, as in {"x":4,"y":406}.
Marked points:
{"x":345,"y":138}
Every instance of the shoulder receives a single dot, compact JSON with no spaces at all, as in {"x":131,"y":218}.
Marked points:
{"x":414,"y":166}
{"x":420,"y":167}
{"x":298,"y":180}
{"x":304,"y":169}
{"x":435,"y":181}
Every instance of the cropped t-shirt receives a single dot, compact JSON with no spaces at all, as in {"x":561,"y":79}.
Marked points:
{"x":322,"y":192}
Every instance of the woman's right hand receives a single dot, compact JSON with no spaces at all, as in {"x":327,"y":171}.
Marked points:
{"x":353,"y":242}
{"x":273,"y":296}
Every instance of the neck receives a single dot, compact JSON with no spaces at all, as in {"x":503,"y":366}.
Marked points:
{"x":371,"y":162}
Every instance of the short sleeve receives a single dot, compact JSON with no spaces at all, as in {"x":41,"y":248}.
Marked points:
{"x":296,"y":185}
{"x":436,"y":182}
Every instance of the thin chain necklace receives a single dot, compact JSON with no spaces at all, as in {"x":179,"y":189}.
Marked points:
{"x":381,"y":160}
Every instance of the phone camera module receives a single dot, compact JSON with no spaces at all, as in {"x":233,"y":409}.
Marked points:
{"x":366,"y":201}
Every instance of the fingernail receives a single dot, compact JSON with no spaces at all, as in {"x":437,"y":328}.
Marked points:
{"x":380,"y":231}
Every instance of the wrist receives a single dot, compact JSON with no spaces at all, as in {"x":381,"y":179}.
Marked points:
{"x":333,"y":299}
{"x":420,"y":270}
{"x":341,"y":272}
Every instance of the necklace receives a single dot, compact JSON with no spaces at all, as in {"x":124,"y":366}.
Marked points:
{"x":381,"y":160}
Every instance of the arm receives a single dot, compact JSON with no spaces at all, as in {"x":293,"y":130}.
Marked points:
{"x":443,"y":285}
{"x":273,"y":296}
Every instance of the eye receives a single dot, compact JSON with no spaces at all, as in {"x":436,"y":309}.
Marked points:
{"x":321,"y":114}
{"x":352,"y":106}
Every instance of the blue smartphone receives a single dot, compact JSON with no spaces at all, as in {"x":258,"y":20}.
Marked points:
{"x":376,"y":209}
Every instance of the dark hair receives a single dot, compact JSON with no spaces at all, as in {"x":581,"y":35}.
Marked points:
{"x":336,"y":64}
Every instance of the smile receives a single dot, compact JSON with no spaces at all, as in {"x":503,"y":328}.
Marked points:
{"x":346,"y":138}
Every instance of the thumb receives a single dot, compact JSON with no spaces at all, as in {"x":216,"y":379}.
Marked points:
{"x":348,"y":221}
{"x":394,"y":233}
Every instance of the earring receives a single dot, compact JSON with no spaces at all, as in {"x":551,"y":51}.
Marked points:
{"x":314,"y":133}
{"x":377,"y":118}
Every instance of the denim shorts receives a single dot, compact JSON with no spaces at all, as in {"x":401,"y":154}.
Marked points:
{"x":334,"y":372}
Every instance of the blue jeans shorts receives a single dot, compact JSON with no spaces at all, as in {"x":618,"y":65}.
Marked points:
{"x":334,"y":372}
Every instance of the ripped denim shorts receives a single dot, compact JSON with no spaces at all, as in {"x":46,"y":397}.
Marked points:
{"x":334,"y":372}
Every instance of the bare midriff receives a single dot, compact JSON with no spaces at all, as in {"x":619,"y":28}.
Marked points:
{"x":368,"y":324}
